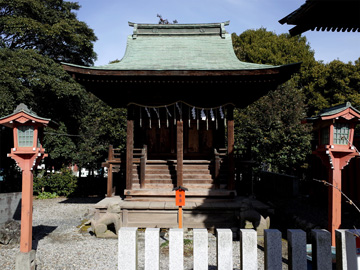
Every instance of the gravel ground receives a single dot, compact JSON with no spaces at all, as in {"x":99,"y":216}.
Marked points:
{"x":60,"y":244}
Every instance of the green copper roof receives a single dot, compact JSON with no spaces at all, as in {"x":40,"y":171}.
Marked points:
{"x":337,"y":109}
{"x":332,"y":111}
{"x":179,"y":47}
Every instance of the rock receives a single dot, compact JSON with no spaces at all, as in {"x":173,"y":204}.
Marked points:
{"x":10,"y":233}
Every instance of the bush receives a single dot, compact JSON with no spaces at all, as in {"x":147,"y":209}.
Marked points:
{"x":47,"y":195}
{"x":62,"y":183}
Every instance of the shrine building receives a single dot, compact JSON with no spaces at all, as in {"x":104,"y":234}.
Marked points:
{"x":180,"y":84}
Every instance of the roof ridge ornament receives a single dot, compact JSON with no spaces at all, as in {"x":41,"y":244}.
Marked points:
{"x":179,"y":29}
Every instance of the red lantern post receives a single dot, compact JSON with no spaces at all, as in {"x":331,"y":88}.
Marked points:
{"x":27,"y":152}
{"x":335,"y":131}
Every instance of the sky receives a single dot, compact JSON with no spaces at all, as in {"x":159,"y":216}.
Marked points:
{"x":109,"y":20}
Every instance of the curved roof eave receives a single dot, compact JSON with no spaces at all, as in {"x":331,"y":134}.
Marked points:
{"x":76,"y":69}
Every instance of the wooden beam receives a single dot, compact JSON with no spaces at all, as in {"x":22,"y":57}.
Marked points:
{"x":110,"y":181}
{"x":231,"y":170}
{"x":143,"y":166}
{"x":180,"y":152}
{"x":129,"y":149}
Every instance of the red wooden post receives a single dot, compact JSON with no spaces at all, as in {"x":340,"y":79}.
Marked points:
{"x":27,"y":152}
{"x":334,"y":206}
{"x":26,"y":210}
{"x":335,"y":127}
{"x":109,"y":192}
{"x":110,"y":181}
{"x":231,"y":173}
{"x":142,"y":167}
{"x":129,"y":153}
{"x":217,"y":169}
{"x":180,"y":152}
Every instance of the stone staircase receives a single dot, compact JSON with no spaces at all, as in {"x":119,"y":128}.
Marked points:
{"x":160,"y":176}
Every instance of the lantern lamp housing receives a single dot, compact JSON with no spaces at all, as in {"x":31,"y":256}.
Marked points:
{"x":28,"y":133}
{"x":334,"y":127}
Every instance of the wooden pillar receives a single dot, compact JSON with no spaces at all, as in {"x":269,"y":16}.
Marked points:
{"x":334,"y":200}
{"x":109,"y":192}
{"x":26,"y":209}
{"x":129,"y":148}
{"x":143,"y":166}
{"x":180,"y":152}
{"x":217,"y":169}
{"x":231,"y":171}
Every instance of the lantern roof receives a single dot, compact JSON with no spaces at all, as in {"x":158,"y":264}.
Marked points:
{"x":22,"y":114}
{"x":345,"y":110}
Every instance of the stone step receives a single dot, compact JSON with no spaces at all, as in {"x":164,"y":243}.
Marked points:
{"x":185,"y":167}
{"x":185,"y":176}
{"x":187,"y":171}
{"x":171,"y":186}
{"x":194,"y":191}
{"x":174,"y":161}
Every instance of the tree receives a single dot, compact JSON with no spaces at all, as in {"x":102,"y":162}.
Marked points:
{"x":101,"y":126}
{"x":36,"y":80}
{"x":270,"y":129}
{"x":339,"y":82}
{"x":50,"y":27}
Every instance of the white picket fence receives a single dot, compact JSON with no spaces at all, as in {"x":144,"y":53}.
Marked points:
{"x":346,"y":257}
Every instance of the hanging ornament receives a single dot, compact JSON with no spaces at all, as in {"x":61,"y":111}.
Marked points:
{"x":180,"y":111}
{"x":221,"y":113}
{"x":158,"y":115}
{"x":203,"y":116}
{"x":212,"y":115}
{"x":193,"y":112}
{"x":216,"y":120}
{"x":197,"y":120}
{"x":174,"y":116}
{"x":207,"y":120}
{"x":148,"y":113}
{"x":189,"y":118}
{"x":167,"y":116}
{"x":140,"y":118}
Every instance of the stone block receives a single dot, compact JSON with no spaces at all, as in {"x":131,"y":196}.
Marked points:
{"x":346,"y":257}
{"x":152,"y":249}
{"x":200,"y":249}
{"x":25,"y":260}
{"x":272,"y":252}
{"x":10,"y":206}
{"x":248,"y":249}
{"x":128,"y":250}
{"x":297,"y":249}
{"x":176,"y":249}
{"x":224,"y":249}
{"x":321,"y":249}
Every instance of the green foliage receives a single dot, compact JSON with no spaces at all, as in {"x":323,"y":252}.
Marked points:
{"x":61,"y":183}
{"x":337,"y":83}
{"x":46,"y":195}
{"x":87,"y":125}
{"x":50,"y":27}
{"x":101,"y":126}
{"x":270,"y":131}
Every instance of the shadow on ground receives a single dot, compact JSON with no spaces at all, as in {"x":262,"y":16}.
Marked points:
{"x":82,"y":200}
{"x":40,"y":232}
